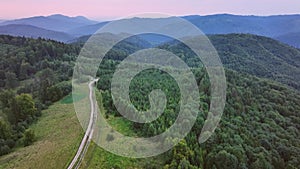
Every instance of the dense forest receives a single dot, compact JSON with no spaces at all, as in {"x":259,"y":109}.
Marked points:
{"x":255,"y":55}
{"x":33,"y":74}
{"x":260,"y":124}
{"x":259,"y":127}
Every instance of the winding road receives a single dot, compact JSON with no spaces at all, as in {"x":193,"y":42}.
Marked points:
{"x":86,"y":140}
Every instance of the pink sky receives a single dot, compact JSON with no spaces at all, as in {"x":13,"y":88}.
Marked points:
{"x":113,"y":9}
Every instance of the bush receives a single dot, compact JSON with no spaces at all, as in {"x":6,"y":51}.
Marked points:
{"x":29,"y":137}
{"x":58,"y":91}
{"x":4,"y":149}
{"x":110,"y":138}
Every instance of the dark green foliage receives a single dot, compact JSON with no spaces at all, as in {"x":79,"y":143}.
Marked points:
{"x":11,"y":80}
{"x":45,"y":79}
{"x":6,"y":98}
{"x":24,"y":107}
{"x":259,"y":127}
{"x":33,"y":74}
{"x":5,"y":130}
{"x":251,"y":54}
{"x":254,"y":126}
{"x":259,"y":56}
{"x":260,"y":124}
{"x":29,"y":137}
{"x":4,"y":149}
{"x":225,"y":160}
{"x":21,"y":58}
{"x":35,"y":66}
{"x":110,"y":137}
{"x":19,"y":112}
{"x":6,"y":135}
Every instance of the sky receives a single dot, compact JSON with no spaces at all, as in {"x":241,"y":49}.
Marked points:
{"x":114,"y":9}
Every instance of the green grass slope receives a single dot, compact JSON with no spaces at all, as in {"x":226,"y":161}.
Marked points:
{"x":98,"y":158}
{"x":58,"y":135}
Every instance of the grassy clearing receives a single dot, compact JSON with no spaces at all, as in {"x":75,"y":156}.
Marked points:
{"x":72,"y":98}
{"x":120,"y":124}
{"x":58,"y":135}
{"x":98,"y":158}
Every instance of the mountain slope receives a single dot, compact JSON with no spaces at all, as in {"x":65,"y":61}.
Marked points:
{"x":259,"y":126}
{"x":86,"y":30}
{"x":58,"y":135}
{"x":290,"y":38}
{"x":56,"y":22}
{"x":285,"y":28}
{"x":260,"y":56}
{"x":34,"y":32}
{"x":270,"y":26}
{"x":281,"y":26}
{"x":256,"y":55}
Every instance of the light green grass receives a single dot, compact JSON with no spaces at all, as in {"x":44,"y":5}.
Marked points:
{"x":98,"y":158}
{"x":74,"y":97}
{"x":58,"y":135}
{"x":121,"y":125}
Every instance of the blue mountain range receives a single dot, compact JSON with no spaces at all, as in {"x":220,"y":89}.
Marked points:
{"x":285,"y":28}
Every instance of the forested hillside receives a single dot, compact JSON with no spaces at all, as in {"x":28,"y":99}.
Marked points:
{"x":259,"y":127}
{"x":33,"y":74}
{"x":34,"y":32}
{"x":260,"y":124}
{"x":259,"y":56}
{"x":256,"y":55}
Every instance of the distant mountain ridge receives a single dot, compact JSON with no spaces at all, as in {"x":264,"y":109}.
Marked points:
{"x":277,"y":27}
{"x":285,"y":28}
{"x":55,"y":22}
{"x":270,"y":26}
{"x":34,"y":32}
{"x":290,"y":38}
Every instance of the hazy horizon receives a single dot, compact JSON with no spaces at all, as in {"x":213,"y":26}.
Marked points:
{"x":4,"y":19}
{"x":114,"y":9}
